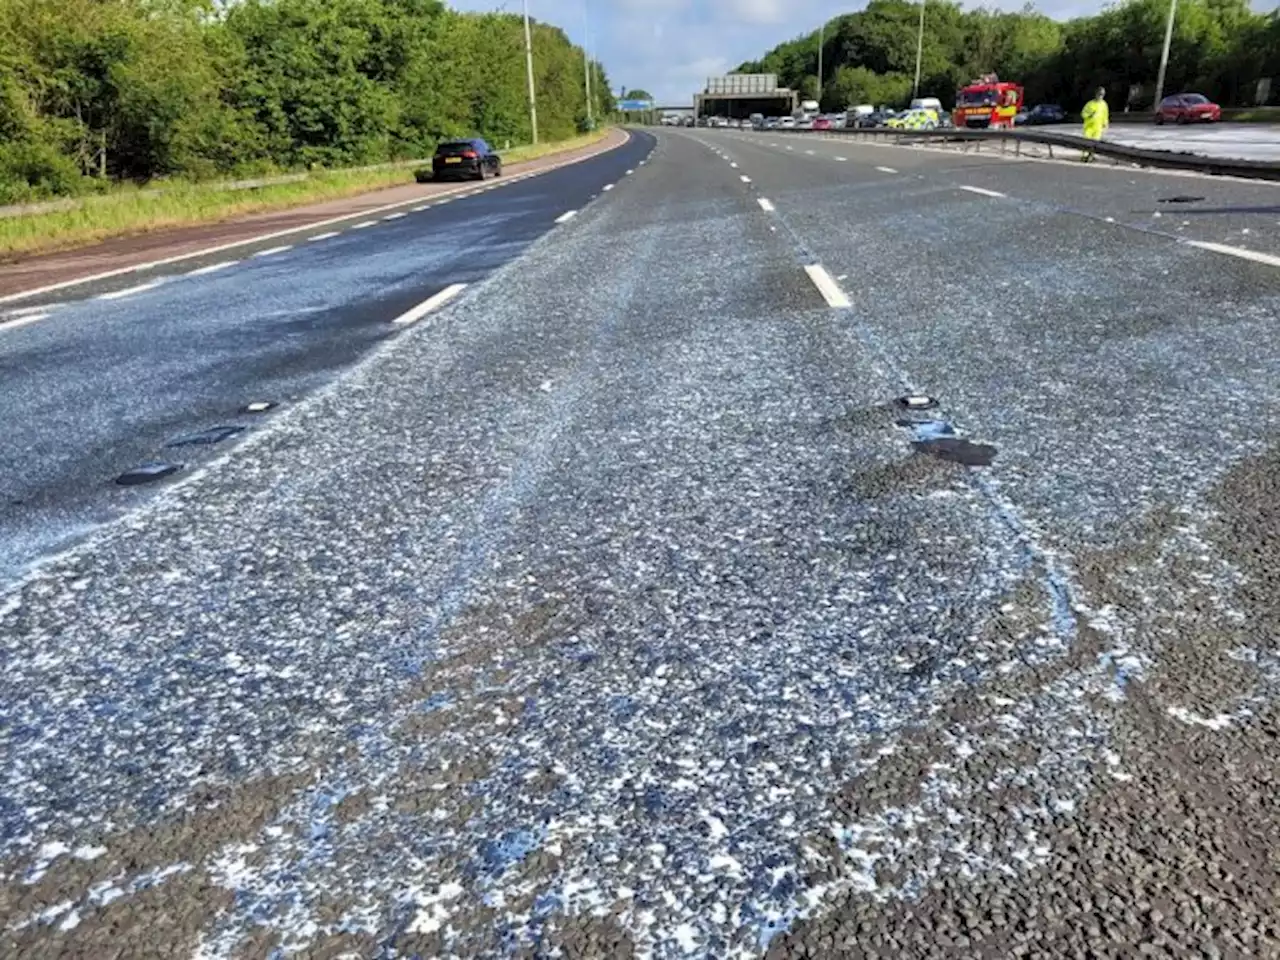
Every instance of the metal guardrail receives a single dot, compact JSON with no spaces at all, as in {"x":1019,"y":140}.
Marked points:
{"x":1141,"y":156}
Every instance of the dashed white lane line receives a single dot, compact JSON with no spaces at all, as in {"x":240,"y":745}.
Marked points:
{"x":212,"y":268}
{"x":16,"y":322}
{"x":734,"y":165}
{"x":130,"y":291}
{"x":809,"y":153}
{"x":421,"y":208}
{"x":842,"y":159}
{"x":273,"y":251}
{"x":886,"y":169}
{"x":566,"y":216}
{"x":394,"y":216}
{"x":983,"y":191}
{"x":629,"y":173}
{"x":766,"y":205}
{"x":366,"y":225}
{"x":744,"y":178}
{"x":431,"y":303}
{"x":607,"y":187}
{"x":829,"y":289}
{"x":1255,"y":255}
{"x":324,"y":236}
{"x":789,"y":147}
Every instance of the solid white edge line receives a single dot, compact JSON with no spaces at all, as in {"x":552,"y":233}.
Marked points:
{"x":22,"y":321}
{"x":431,"y":303}
{"x":566,"y":216}
{"x":212,"y":268}
{"x":744,"y":178}
{"x":325,"y":236}
{"x":273,"y":251}
{"x":249,"y":241}
{"x":765,"y":205}
{"x":886,"y":169}
{"x":130,"y":291}
{"x":1255,"y":255}
{"x":983,"y":191}
{"x":829,"y":289}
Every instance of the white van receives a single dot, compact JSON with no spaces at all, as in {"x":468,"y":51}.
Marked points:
{"x":927,"y":103}
{"x":862,"y":110}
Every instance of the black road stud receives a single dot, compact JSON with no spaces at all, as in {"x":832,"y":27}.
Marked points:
{"x":205,"y":438}
{"x":147,"y":473}
{"x":958,"y":450}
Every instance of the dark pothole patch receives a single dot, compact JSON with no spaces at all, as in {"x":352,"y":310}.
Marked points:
{"x":147,"y":473}
{"x":205,"y":438}
{"x":958,"y":450}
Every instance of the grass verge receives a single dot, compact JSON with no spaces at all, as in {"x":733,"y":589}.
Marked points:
{"x":129,"y":210}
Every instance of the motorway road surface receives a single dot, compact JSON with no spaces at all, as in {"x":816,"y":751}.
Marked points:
{"x":617,"y":607}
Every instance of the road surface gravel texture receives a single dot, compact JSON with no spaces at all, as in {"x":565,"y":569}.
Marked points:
{"x":620,"y":609}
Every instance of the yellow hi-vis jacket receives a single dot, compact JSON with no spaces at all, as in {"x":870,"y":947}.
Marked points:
{"x":1097,"y":117}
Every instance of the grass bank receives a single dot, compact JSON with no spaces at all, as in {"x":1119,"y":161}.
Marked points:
{"x":127,"y":210}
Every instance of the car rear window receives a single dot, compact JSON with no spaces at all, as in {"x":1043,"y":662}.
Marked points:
{"x":1194,"y":98}
{"x":453,"y":149}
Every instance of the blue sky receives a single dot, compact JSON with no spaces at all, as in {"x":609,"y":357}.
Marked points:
{"x":670,"y":47}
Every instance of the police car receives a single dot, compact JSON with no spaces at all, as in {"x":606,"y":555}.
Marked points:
{"x":921,"y":118}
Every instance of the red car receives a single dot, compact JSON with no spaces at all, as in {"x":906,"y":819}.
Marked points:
{"x":1188,"y":108}
{"x":821,"y":123}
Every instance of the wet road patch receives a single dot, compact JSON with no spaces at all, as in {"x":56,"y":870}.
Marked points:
{"x":147,"y":473}
{"x":958,"y":450}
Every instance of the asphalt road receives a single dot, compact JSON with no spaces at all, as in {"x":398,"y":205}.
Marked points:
{"x":101,"y":378}
{"x":619,"y":608}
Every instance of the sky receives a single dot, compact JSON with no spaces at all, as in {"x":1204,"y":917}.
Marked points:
{"x":670,"y":47}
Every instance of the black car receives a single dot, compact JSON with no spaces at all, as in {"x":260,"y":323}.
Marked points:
{"x":1044,"y":113}
{"x":469,"y":159}
{"x":877,"y":118}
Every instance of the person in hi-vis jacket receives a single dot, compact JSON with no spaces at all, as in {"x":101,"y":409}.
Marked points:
{"x":1097,"y":117}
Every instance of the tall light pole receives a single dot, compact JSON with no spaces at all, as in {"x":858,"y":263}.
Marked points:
{"x":919,"y":51}
{"x":586,"y":60}
{"x":1164,"y":55}
{"x":528,"y":63}
{"x":822,"y":41}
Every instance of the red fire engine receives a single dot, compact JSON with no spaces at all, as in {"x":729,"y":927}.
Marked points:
{"x":987,"y":102}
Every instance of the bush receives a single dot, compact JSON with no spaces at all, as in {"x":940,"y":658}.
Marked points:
{"x":37,"y":171}
{"x":423,"y":175}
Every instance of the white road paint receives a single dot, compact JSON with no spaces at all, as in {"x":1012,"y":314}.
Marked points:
{"x":433,"y":302}
{"x":261,"y":238}
{"x":273,"y":251}
{"x":809,"y":153}
{"x":566,"y":216}
{"x":325,"y":236}
{"x":789,"y":147}
{"x":421,"y":208}
{"x":829,"y":289}
{"x":983,"y":191}
{"x":629,"y":173}
{"x":734,"y":165}
{"x":394,"y":216}
{"x":213,"y":268}
{"x":744,"y":178}
{"x":1255,"y":255}
{"x":766,"y":205}
{"x":607,"y":187}
{"x":842,"y":159}
{"x":130,"y":291}
{"x":889,"y":170}
{"x":16,"y":322}
{"x":366,"y":225}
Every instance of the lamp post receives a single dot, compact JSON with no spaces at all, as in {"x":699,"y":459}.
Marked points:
{"x":919,"y":51}
{"x":822,"y":40}
{"x":1164,"y":55}
{"x":528,"y":63}
{"x":586,"y":61}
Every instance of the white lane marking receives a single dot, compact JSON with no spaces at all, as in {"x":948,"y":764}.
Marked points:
{"x":886,"y":169}
{"x":765,"y":205}
{"x":261,"y":238}
{"x":789,"y":147}
{"x":22,"y":321}
{"x":130,"y":291}
{"x":744,"y":178}
{"x":842,"y":159}
{"x":629,"y":173}
{"x":566,"y":216}
{"x":395,"y":216}
{"x":273,"y":251}
{"x":734,"y":165}
{"x":983,"y":191}
{"x":213,"y":268}
{"x":643,"y":162}
{"x":809,"y":153}
{"x":325,"y":236}
{"x":607,"y":187}
{"x":421,"y":208}
{"x":366,"y":225}
{"x":1254,"y":255}
{"x":431,"y":303}
{"x":829,"y":289}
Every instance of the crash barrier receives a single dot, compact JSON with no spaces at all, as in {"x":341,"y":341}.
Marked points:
{"x":1013,"y":140}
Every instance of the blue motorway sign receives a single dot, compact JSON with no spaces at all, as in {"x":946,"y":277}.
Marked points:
{"x":635,"y":106}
